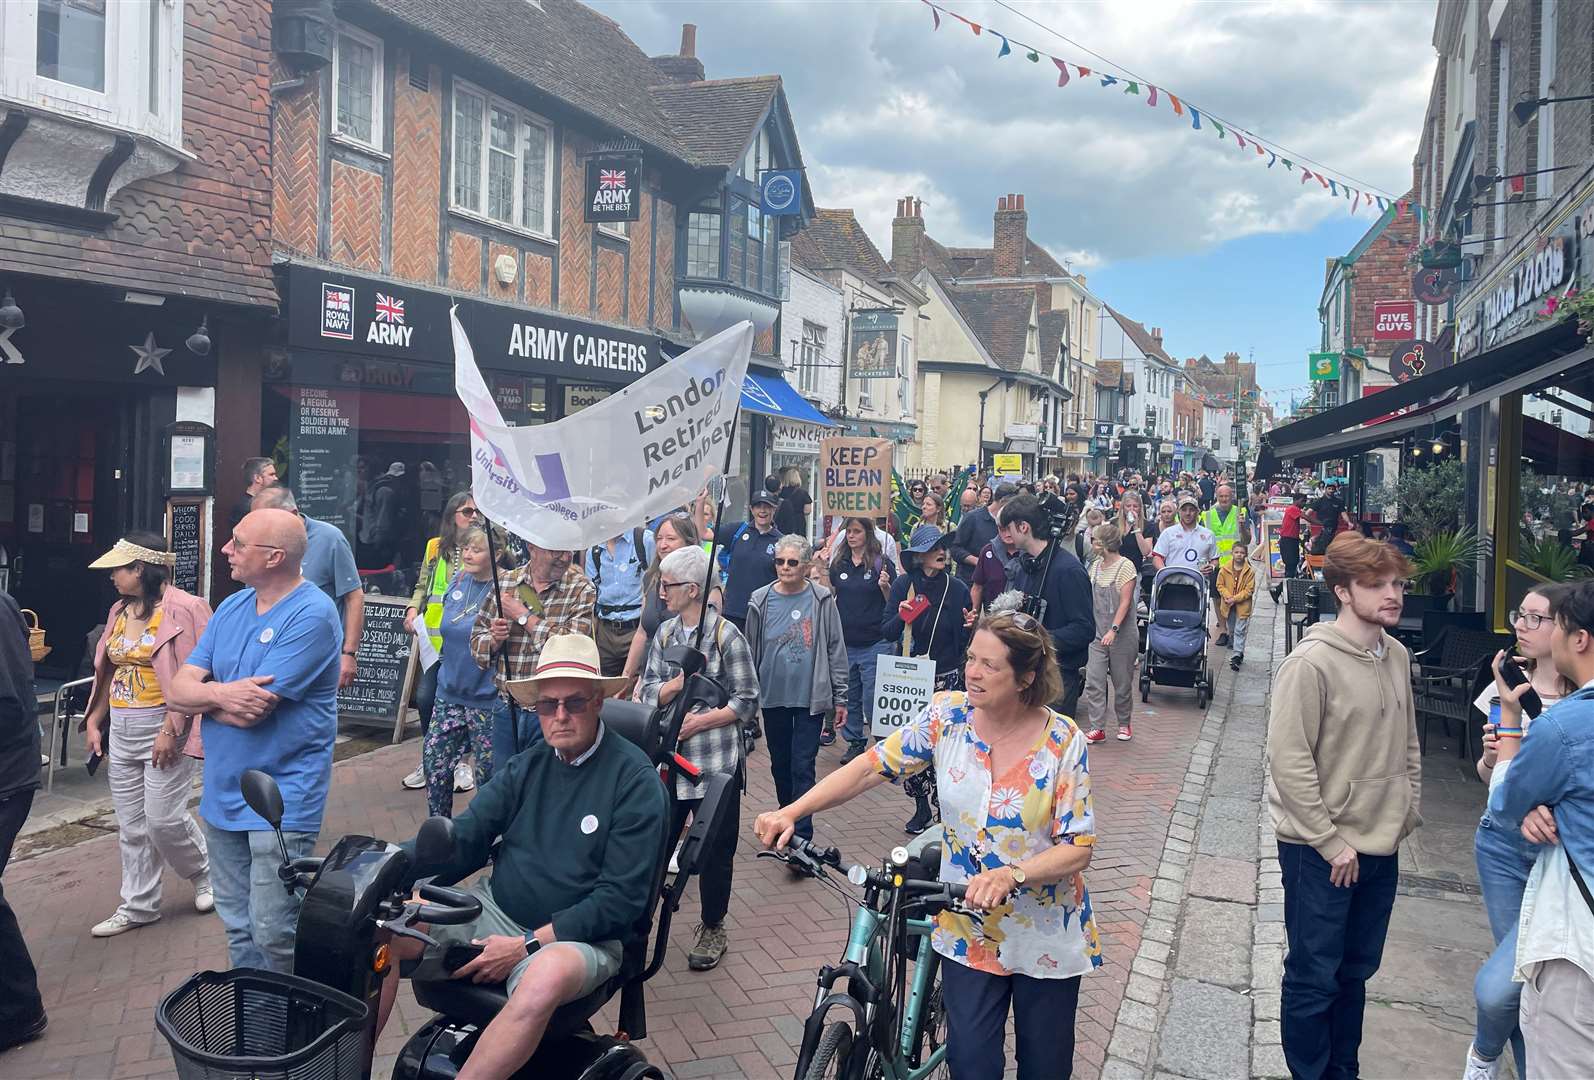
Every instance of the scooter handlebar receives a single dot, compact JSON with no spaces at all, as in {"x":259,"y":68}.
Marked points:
{"x":446,"y":906}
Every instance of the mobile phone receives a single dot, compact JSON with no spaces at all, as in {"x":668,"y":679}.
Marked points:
{"x":1514,"y":677}
{"x":93,"y":763}
{"x":917,"y":607}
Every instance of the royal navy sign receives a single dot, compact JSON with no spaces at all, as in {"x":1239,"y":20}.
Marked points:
{"x":614,"y":187}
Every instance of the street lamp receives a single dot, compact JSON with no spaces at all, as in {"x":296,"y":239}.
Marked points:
{"x":1523,"y":110}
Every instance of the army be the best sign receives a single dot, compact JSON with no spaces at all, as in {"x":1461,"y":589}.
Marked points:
{"x":855,"y":477}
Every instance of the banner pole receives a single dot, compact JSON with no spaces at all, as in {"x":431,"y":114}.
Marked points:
{"x":719,"y":513}
{"x":498,"y":652}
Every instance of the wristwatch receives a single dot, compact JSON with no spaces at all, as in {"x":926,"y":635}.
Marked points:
{"x":351,"y":652}
{"x":1017,"y":871}
{"x":532,"y":944}
{"x":525,"y":616}
{"x":1115,"y":628}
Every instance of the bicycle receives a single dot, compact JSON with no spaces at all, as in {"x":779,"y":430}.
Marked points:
{"x":896,"y":1024}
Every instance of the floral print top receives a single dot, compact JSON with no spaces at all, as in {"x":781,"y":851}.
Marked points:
{"x":133,"y":683}
{"x":1043,"y":931}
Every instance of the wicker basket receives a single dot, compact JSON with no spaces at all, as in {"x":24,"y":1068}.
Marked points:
{"x":36,"y":644}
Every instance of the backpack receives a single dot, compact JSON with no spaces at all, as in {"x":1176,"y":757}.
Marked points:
{"x":639,"y":542}
{"x":724,"y":556}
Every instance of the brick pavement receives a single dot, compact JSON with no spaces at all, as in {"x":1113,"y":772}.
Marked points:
{"x":743,"y":1019}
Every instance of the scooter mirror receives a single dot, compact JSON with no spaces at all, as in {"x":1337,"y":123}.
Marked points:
{"x":261,"y":793}
{"x":434,"y":844}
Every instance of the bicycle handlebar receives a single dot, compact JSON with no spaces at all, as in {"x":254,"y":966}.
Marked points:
{"x":447,"y":907}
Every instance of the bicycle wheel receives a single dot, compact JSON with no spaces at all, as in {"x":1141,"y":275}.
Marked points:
{"x":830,"y":1059}
{"x":931,"y":1035}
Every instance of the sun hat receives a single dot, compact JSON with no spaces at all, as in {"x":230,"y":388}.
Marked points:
{"x":925,"y":538}
{"x":564,"y":656}
{"x":125,"y":552}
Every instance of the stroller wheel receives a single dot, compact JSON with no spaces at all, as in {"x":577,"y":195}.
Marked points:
{"x":1201,"y":696}
{"x":1145,"y":689}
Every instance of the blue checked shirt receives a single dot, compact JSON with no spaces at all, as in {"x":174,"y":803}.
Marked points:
{"x":619,"y":576}
{"x":728,"y":661}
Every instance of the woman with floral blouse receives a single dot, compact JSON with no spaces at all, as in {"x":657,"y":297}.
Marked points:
{"x":1016,"y":811}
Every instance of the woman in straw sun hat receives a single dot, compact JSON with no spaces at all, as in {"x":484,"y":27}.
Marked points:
{"x":150,"y":631}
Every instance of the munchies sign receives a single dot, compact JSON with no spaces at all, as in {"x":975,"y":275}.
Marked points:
{"x":614,"y":187}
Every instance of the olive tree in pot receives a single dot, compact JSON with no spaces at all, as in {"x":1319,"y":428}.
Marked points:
{"x":1439,"y":559}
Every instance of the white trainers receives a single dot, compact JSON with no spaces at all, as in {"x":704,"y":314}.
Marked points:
{"x":464,"y":777}
{"x":117,"y":924}
{"x":204,"y":898}
{"x":1479,"y":1069}
{"x":415,"y":781}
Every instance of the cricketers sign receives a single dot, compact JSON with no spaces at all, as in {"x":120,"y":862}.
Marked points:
{"x":855,"y":476}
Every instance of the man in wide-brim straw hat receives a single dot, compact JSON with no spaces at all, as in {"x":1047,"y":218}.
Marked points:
{"x":582,"y":817}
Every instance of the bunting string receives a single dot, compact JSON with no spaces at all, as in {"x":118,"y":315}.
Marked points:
{"x":1337,"y":183}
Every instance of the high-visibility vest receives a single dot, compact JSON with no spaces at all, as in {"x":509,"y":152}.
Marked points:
{"x":1226,"y":534}
{"x":432,"y":602}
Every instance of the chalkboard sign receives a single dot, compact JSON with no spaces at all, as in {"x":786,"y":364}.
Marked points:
{"x":381,"y":686}
{"x":185,"y":526}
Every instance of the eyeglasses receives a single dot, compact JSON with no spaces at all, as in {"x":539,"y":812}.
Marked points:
{"x":788,"y":562}
{"x":675,"y":584}
{"x":239,"y":545}
{"x":468,"y":511}
{"x":574,"y":705}
{"x":1530,"y":619}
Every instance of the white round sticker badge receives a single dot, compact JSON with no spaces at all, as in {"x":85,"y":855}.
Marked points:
{"x":795,"y":615}
{"x":589,"y":824}
{"x":459,"y":594}
{"x":266,"y":635}
{"x":844,"y":576}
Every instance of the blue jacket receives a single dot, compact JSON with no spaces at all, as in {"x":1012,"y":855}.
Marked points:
{"x":1555,"y":768}
{"x":1069,"y":614}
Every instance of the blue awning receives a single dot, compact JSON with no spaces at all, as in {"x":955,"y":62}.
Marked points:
{"x":774,"y":396}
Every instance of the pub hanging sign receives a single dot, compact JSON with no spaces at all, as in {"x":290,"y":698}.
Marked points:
{"x":614,"y":187}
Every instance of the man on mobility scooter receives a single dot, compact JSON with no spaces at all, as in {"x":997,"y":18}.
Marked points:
{"x":581,"y":816}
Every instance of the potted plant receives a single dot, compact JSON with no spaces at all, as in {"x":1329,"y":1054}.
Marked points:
{"x":1550,"y":559}
{"x":1440,"y":255}
{"x":1439,"y":558}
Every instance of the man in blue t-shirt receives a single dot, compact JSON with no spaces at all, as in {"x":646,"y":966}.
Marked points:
{"x":265,"y":677}
{"x":329,"y":566}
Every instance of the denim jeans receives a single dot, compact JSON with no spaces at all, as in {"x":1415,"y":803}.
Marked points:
{"x":504,"y":731}
{"x":259,"y":914}
{"x":793,"y":736}
{"x":862,"y":663}
{"x":1336,"y":941}
{"x":1504,"y":861}
{"x":977,"y":1004}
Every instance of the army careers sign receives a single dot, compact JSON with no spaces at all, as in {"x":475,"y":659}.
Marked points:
{"x":855,"y":476}
{"x":614,"y":187}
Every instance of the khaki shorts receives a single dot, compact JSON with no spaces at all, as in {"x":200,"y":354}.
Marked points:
{"x":603,"y":959}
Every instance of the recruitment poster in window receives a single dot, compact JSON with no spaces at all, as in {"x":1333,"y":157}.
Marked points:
{"x":323,"y":428}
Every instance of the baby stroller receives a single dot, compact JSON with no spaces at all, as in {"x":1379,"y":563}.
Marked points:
{"x":1176,"y":639}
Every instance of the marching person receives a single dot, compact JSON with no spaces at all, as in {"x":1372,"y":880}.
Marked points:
{"x":616,"y":568}
{"x":22,"y":1016}
{"x":1021,"y":855}
{"x":1058,"y":578}
{"x":441,"y":566}
{"x":329,"y":566}
{"x":794,"y":632}
{"x":674,"y":532}
{"x":1139,"y":536}
{"x":1186,"y":542}
{"x":149,"y":633}
{"x":792,"y":515}
{"x":1113,"y":583}
{"x":1226,"y":522}
{"x":1343,"y":788}
{"x":861,"y":577}
{"x":990,"y":576}
{"x":932,"y":511}
{"x":265,"y":676}
{"x":462,"y":719}
{"x":927,"y":614}
{"x":747,"y":555}
{"x":710,"y":739}
{"x":1290,"y":537}
{"x":1236,"y":588}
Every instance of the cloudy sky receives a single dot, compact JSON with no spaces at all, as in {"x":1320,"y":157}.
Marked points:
{"x":1174,"y":227}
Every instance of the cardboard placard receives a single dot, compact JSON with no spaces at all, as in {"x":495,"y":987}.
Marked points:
{"x":380,"y":692}
{"x":855,"y":476}
{"x":902,"y":690}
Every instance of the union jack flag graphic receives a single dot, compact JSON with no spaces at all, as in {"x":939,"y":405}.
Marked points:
{"x":389,"y":309}
{"x":611,"y":178}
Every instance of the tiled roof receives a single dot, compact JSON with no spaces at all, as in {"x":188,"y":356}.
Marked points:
{"x":1000,"y":320}
{"x":835,"y":240}
{"x":715,"y":120}
{"x":976,"y":262}
{"x":1110,"y":376}
{"x":572,"y":53}
{"x":1140,"y":336}
{"x":1053,"y":328}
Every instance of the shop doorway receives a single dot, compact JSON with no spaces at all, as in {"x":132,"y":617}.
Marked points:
{"x":63,"y":485}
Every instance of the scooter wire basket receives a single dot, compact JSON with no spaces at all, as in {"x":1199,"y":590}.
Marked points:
{"x":261,"y":1025}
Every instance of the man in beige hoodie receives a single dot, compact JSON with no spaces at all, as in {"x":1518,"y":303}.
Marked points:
{"x":1344,"y":777}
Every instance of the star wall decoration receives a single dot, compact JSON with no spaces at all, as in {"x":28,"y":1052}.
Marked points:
{"x":148,"y":356}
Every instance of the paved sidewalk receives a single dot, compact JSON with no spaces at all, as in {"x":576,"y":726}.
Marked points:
{"x":743,"y":1019}
{"x":1203,"y":995}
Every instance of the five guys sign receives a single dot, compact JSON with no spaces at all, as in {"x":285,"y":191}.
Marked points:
{"x":1394,"y":320}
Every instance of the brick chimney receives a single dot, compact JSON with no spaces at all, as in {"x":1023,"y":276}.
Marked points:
{"x":907,"y":237}
{"x":684,"y":67}
{"x":1009,"y":237}
{"x":1156,"y":335}
{"x":1231,"y":362}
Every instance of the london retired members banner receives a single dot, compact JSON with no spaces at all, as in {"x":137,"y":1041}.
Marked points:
{"x":855,"y":477}
{"x":631,"y":457}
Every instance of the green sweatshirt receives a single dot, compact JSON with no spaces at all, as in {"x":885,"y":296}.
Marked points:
{"x":580,"y":845}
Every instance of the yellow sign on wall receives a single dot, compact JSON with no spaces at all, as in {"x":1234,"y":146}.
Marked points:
{"x":1008,"y":464}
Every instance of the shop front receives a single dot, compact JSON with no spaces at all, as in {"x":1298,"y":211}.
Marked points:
{"x":360,"y":414}
{"x":107,"y":421}
{"x":779,"y":430}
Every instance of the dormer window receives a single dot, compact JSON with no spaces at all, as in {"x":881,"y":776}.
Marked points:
{"x":113,"y":62}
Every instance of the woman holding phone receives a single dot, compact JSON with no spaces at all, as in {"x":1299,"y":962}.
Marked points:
{"x":1504,"y":856}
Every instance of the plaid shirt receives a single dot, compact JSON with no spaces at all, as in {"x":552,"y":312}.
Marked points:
{"x":567,"y":608}
{"x":729,"y":662}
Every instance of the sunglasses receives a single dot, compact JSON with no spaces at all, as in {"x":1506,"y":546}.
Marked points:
{"x":788,"y":562}
{"x":574,"y":705}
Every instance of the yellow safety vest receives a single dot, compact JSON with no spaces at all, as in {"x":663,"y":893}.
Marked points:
{"x":432,"y":605}
{"x":1226,"y":534}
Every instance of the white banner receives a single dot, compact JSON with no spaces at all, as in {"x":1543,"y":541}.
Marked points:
{"x":903,"y":687}
{"x":629,"y":458}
